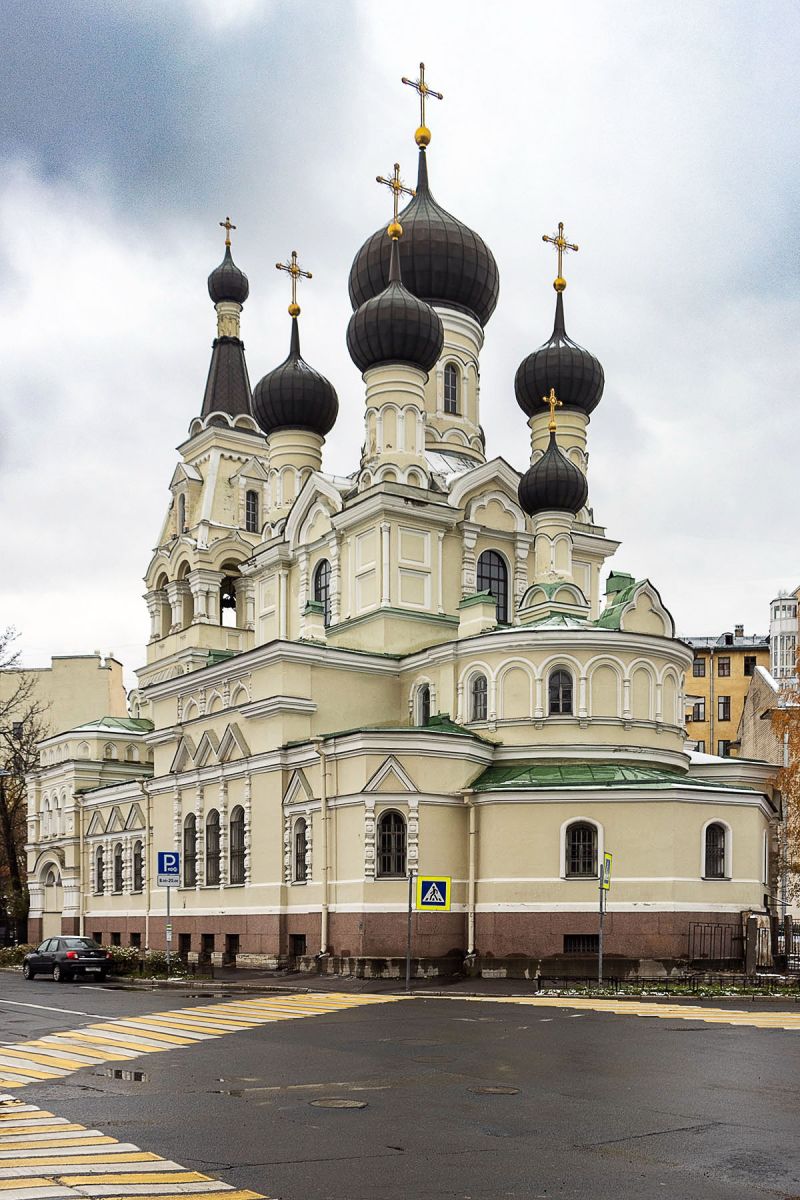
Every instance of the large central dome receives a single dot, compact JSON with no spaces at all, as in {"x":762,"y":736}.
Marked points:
{"x":443,"y":261}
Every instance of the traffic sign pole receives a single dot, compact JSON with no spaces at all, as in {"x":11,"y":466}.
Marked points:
{"x":600,"y":938}
{"x":408,"y":932}
{"x":168,"y":931}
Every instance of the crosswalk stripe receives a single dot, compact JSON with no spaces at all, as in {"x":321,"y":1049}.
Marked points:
{"x":46,"y":1060}
{"x":46,"y":1157}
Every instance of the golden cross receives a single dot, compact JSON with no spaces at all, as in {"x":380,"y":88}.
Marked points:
{"x":423,"y":134}
{"x":399,"y":189}
{"x":561,"y":244}
{"x":227,"y":226}
{"x":296,"y":273}
{"x":554,"y":404}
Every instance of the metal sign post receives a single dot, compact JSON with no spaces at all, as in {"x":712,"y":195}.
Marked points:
{"x":605,"y":884}
{"x":169,"y":876}
{"x":408,"y":934}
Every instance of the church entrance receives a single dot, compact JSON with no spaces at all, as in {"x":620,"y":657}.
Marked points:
{"x":53,"y":903}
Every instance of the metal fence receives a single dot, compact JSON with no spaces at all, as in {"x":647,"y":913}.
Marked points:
{"x":788,"y":945}
{"x":715,"y":942}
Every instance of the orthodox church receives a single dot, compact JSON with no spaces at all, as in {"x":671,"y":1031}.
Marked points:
{"x":420,"y":667}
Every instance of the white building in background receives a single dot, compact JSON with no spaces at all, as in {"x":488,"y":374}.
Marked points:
{"x":783,"y":637}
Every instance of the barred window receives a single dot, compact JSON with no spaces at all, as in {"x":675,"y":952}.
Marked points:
{"x":100,"y":873}
{"x":391,"y":844}
{"x":237,"y":845}
{"x":212,"y":847}
{"x":450,"y":389}
{"x":581,"y":850}
{"x":478,"y":696}
{"x":190,"y":851}
{"x":559,"y":694}
{"x":138,"y":867}
{"x":322,"y":589}
{"x":251,"y":512}
{"x":300,"y":850}
{"x":118,"y":867}
{"x":492,"y":576}
{"x":715,"y":851}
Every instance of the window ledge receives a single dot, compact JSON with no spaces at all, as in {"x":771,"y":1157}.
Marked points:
{"x":298,"y":883}
{"x":391,"y":878}
{"x":581,"y":878}
{"x":716,"y":878}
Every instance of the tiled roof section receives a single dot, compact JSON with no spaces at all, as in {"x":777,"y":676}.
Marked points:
{"x":228,"y":384}
{"x":528,"y":776}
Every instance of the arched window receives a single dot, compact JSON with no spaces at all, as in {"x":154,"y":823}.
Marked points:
{"x":391,"y":845}
{"x":190,"y":851}
{"x":479,"y":691}
{"x":451,"y":388}
{"x":424,"y":705}
{"x":109,"y":750}
{"x":581,"y":850}
{"x":322,"y":589}
{"x":715,"y":851}
{"x":251,"y":512}
{"x":559,"y":694}
{"x":227,"y":603}
{"x":300,"y":848}
{"x":237,"y":844}
{"x":493,"y":577}
{"x":131,"y":754}
{"x":181,"y":513}
{"x":138,"y":873}
{"x":212,"y":847}
{"x":118,"y":867}
{"x":100,"y":874}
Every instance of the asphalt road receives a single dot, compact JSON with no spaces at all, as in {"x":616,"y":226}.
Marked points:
{"x":584,"y":1104}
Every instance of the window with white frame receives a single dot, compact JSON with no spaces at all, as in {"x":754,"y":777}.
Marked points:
{"x":451,"y":388}
{"x":300,"y":850}
{"x":391,"y":845}
{"x":559,"y":693}
{"x":479,"y":696}
{"x":581,"y":851}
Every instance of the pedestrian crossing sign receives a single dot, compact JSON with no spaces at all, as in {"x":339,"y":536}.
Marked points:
{"x":433,"y":892}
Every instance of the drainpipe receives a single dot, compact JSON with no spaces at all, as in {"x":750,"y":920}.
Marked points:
{"x":147,"y":866}
{"x":712,"y":743}
{"x":318,"y":744}
{"x":473,"y":855}
{"x":82,"y":873}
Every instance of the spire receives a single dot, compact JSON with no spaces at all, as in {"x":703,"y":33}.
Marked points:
{"x":394,"y":228}
{"x":228,"y":384}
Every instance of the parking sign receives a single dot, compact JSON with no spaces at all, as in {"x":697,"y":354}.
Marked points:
{"x":169,"y":868}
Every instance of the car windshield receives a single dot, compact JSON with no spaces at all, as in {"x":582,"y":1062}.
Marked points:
{"x":73,"y":943}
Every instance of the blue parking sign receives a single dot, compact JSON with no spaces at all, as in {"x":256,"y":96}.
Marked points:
{"x":169,"y":868}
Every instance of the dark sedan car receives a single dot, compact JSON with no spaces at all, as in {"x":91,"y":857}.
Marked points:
{"x":66,"y":957}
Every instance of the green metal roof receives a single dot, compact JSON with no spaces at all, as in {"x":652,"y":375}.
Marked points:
{"x":439,"y":724}
{"x":130,"y":724}
{"x":522,"y":776}
{"x":610,"y":616}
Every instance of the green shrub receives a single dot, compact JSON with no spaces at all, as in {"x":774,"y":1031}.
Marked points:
{"x":12,"y":956}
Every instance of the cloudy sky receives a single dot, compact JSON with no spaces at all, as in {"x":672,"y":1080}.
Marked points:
{"x":665,"y":136}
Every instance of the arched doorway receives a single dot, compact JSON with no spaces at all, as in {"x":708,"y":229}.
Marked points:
{"x":53,"y":903}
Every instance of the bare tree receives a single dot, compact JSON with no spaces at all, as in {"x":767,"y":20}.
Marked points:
{"x":22,"y":725}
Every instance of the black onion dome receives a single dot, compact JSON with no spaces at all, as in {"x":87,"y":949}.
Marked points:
{"x":227,"y":282}
{"x":295,"y":396}
{"x":395,"y":326}
{"x":562,"y":364}
{"x":443,"y":261}
{"x":553,"y":482}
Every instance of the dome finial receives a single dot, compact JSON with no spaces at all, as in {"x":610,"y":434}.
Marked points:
{"x":561,"y":244}
{"x":296,"y":273}
{"x":227,"y":226}
{"x":423,"y":135}
{"x":395,"y":229}
{"x":554,"y":404}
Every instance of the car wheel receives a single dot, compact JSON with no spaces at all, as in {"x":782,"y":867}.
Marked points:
{"x":59,"y":974}
{"x":27,"y":973}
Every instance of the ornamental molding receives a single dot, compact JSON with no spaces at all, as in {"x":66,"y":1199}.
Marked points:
{"x":278,"y":704}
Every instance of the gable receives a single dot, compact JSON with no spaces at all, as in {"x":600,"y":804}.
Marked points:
{"x":390,"y":778}
{"x":135,"y":818}
{"x":298,"y":790}
{"x":116,"y":823}
{"x":184,"y":755}
{"x":233,"y":744}
{"x":646,"y":614}
{"x":207,"y":749}
{"x":96,"y":825}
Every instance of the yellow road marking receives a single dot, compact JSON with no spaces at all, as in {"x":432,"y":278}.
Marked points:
{"x":58,"y":1143}
{"x":124,"y":1028}
{"x":682,"y":1012}
{"x":137,"y":1177}
{"x":46,"y":1061}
